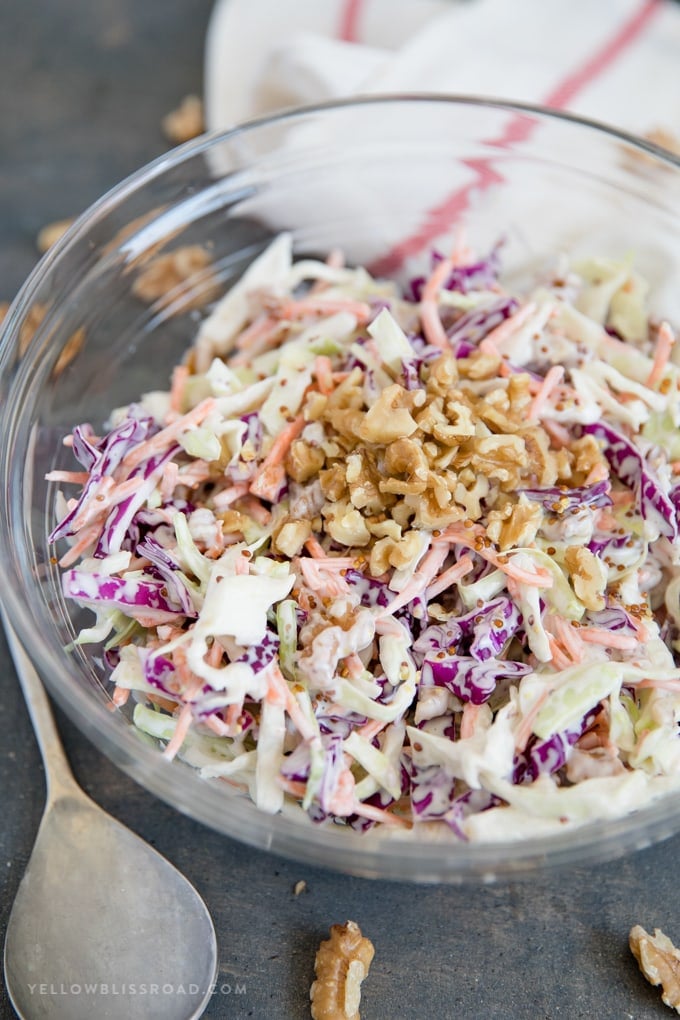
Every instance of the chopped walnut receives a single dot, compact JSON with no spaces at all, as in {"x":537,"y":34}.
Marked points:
{"x":345,"y":524}
{"x":515,"y":525}
{"x":291,"y":536}
{"x":443,"y":375}
{"x":50,"y":234}
{"x":185,"y":122}
{"x":659,"y":961}
{"x":587,"y":456}
{"x":341,"y":964}
{"x":379,"y":560}
{"x":480,"y":366}
{"x":588,"y":576}
{"x":388,"y":419}
{"x":303,"y":461}
{"x":542,"y":460}
{"x":162,"y":276}
{"x":500,"y":458}
{"x":299,"y":887}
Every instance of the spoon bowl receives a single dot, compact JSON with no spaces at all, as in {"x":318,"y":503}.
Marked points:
{"x":102,"y":925}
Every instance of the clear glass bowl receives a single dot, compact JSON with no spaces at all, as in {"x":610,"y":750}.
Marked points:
{"x":384,"y":179}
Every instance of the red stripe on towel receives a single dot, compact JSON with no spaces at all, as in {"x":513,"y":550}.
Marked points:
{"x":348,"y":29}
{"x":518,"y":129}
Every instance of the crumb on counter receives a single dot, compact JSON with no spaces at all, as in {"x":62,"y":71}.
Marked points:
{"x":185,"y":122}
{"x":51,"y":233}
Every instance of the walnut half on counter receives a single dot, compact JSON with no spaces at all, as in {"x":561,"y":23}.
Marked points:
{"x":659,"y":961}
{"x":341,"y":964}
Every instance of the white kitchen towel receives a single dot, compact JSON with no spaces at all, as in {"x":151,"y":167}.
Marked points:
{"x":614,"y":60}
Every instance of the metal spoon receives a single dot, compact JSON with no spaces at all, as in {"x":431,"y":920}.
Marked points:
{"x":102,"y":925}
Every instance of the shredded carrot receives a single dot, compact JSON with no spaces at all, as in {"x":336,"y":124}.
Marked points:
{"x":323,"y":370}
{"x":621,"y":497}
{"x":180,"y":375}
{"x":168,"y":435}
{"x":420,"y":580}
{"x":334,"y":260}
{"x":526,"y":725}
{"x":371,"y":729}
{"x":281,"y":444}
{"x":450,"y":576}
{"x":165,"y":703}
{"x":321,"y":306}
{"x":271,"y":475}
{"x":433,"y":330}
{"x":569,"y":637}
{"x":461,"y":254}
{"x":76,"y":477}
{"x":169,"y":481}
{"x":558,"y":433}
{"x":539,"y":578}
{"x":86,"y":537}
{"x":342,"y":800}
{"x":325,"y":582}
{"x":218,"y":726}
{"x":278,"y":692}
{"x":226,"y":497}
{"x":609,"y":639}
{"x":510,"y":326}
{"x":120,"y":696}
{"x":252,"y":506}
{"x":261,"y":327}
{"x":181,"y":730}
{"x":315,"y":549}
{"x":552,"y":379}
{"x":292,"y":786}
{"x":559,"y":659}
{"x":662,"y":353}
{"x":489,"y":348}
{"x":606,"y":520}
{"x":468,"y":722}
{"x":663,"y":685}
{"x":233,"y":712}
{"x":194,"y":474}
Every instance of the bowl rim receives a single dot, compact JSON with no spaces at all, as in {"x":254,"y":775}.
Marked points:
{"x":370,"y":854}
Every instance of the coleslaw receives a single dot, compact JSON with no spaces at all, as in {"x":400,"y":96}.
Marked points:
{"x":403,"y":559}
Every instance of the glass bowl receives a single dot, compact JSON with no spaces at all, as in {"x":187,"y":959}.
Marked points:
{"x":101,"y":320}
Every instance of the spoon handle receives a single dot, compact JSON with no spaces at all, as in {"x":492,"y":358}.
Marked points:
{"x":58,"y":775}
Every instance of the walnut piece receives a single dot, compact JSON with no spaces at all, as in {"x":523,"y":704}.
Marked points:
{"x":588,"y":575}
{"x":164,"y":274}
{"x":659,"y":961}
{"x":341,"y":965}
{"x":515,"y":525}
{"x":388,"y":419}
{"x":185,"y":122}
{"x":50,"y":234}
{"x":291,"y":537}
